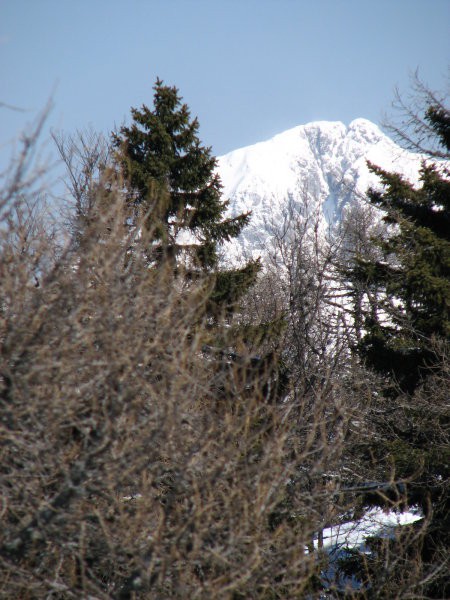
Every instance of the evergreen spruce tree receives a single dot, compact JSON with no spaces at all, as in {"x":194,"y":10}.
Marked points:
{"x":412,"y":282}
{"x":173,"y":190}
{"x":170,"y":179}
{"x":407,"y":341}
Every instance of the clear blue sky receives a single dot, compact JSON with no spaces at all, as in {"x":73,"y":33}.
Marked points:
{"x":247,"y":68}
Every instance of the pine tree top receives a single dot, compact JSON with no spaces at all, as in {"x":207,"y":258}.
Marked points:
{"x":162,"y":148}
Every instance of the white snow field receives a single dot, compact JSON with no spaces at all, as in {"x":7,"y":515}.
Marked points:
{"x":320,"y":164}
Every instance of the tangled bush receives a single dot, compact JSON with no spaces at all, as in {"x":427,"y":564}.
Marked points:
{"x":133,"y":463}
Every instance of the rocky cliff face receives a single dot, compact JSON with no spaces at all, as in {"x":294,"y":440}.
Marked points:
{"x":320,"y":166}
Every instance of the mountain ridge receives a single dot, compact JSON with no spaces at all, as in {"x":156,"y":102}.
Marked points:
{"x":322,"y":164}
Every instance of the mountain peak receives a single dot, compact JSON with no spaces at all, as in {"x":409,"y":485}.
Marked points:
{"x":322,"y":164}
{"x":336,"y":128}
{"x":367,"y":130}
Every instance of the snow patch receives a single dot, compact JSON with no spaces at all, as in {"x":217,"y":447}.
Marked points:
{"x":376,"y":522}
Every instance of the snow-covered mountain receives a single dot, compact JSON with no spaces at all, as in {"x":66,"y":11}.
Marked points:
{"x":322,"y":164}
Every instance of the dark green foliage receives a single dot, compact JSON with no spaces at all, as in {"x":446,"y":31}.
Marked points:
{"x":172,"y":186}
{"x":171,"y":182}
{"x":406,"y":340}
{"x":412,"y":282}
{"x":232,"y":284}
{"x":438,"y":117}
{"x":162,"y":148}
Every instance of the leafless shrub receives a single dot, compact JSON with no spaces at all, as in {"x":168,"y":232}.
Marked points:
{"x":408,"y":125}
{"x":85,"y":156}
{"x":125,"y":471}
{"x":399,"y":456}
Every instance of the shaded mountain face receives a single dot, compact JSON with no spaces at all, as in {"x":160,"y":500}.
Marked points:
{"x":319,"y":167}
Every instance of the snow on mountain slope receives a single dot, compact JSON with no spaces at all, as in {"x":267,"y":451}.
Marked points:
{"x":321,"y":164}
